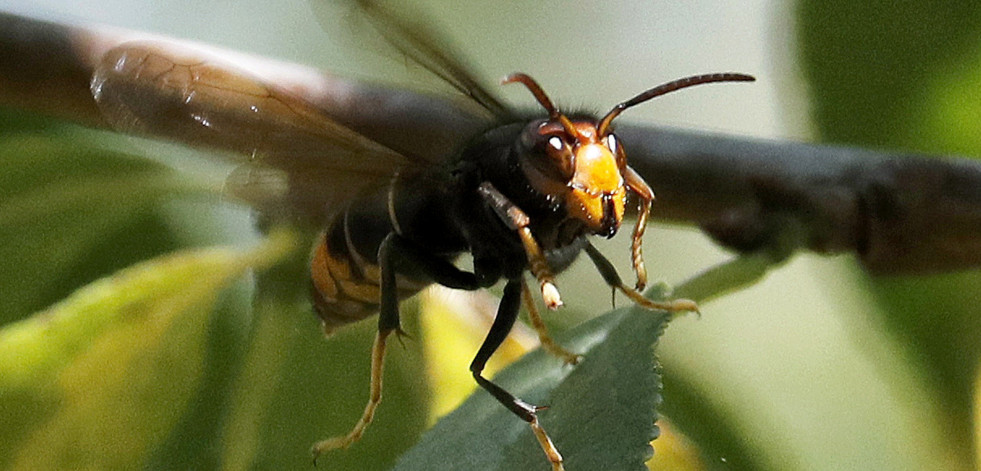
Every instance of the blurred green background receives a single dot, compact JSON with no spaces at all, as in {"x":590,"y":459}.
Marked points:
{"x":818,"y":366}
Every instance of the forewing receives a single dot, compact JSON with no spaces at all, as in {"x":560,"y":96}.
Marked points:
{"x":295,"y":154}
{"x":415,"y":38}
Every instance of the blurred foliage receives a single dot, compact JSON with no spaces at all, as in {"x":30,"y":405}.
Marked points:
{"x":105,"y":380}
{"x":909,"y":77}
{"x":900,"y":76}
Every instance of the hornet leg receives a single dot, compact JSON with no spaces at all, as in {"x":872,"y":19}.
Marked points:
{"x":517,"y":220}
{"x":549,"y":344}
{"x":612,"y":278}
{"x":394,"y":254}
{"x":640,"y":188}
{"x":507,"y":313}
{"x":375,"y":395}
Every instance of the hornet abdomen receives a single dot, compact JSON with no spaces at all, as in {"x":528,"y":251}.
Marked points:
{"x":344,"y":266}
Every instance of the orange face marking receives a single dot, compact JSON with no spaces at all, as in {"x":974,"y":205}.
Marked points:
{"x":602,"y":213}
{"x":596,"y":170}
{"x":597,"y":187}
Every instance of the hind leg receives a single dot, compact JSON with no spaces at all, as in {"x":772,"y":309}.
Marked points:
{"x":394,"y":255}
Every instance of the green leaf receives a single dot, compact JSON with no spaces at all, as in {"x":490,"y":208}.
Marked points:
{"x":97,"y":381}
{"x":600,"y":413}
{"x":71,"y":213}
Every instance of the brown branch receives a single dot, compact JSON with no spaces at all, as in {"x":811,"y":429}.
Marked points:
{"x":42,"y":70}
{"x":899,"y":214}
{"x":46,"y":67}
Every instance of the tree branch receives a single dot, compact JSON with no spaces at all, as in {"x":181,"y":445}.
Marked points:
{"x":898,"y":213}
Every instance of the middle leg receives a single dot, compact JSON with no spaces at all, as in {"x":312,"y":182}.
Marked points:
{"x":548,"y":343}
{"x":507,"y":313}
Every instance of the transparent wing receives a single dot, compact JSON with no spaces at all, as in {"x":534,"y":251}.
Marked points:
{"x":293,"y":150}
{"x":413,"y":38}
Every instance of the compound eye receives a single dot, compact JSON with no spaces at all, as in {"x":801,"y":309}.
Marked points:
{"x":560,"y":156}
{"x":556,"y":143}
{"x":613,"y":144}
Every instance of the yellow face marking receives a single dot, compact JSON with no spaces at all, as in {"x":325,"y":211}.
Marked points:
{"x":595,"y":185}
{"x":596,"y":170}
{"x":593,"y":210}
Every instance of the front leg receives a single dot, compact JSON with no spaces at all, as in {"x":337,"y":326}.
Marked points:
{"x":640,"y":188}
{"x":517,"y":220}
{"x":612,"y":278}
{"x":507,"y":313}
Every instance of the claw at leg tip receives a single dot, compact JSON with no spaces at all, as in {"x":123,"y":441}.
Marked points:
{"x":685,"y":305}
{"x":320,"y":448}
{"x":688,"y":305}
{"x":316,"y":452}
